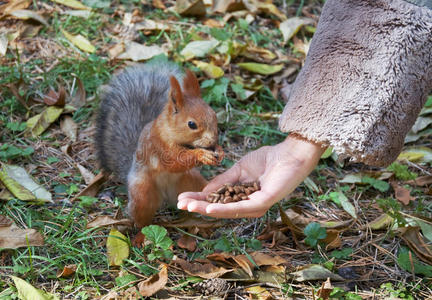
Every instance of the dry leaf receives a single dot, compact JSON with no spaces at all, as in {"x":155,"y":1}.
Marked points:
{"x":79,"y":41}
{"x":37,"y":124}
{"x":198,"y":48}
{"x":159,"y":4}
{"x":223,"y":6}
{"x":209,"y":69}
{"x":194,"y":8}
{"x":72,"y":3}
{"x":115,"y":50}
{"x":14,"y":5}
{"x":402,"y":194}
{"x":214,"y":23}
{"x":93,"y":188}
{"x":382,"y":222}
{"x":314,"y":272}
{"x":244,"y":263}
{"x":86,"y":174}
{"x":333,"y":239}
{"x":26,"y":291}
{"x":67,"y":271}
{"x":422,"y":181}
{"x":25,"y":14}
{"x":3,"y":44}
{"x":187,"y":242}
{"x":155,"y":283}
{"x":258,"y":292}
{"x":263,"y":259}
{"x":411,"y":235}
{"x":325,"y":290}
{"x":104,"y":221}
{"x":5,"y":221}
{"x":54,"y":98}
{"x":13,"y":237}
{"x":117,"y":247}
{"x":70,"y":129}
{"x":206,"y":270}
{"x":291,"y":26}
{"x":138,"y":52}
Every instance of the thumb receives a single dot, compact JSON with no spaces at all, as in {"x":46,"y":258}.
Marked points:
{"x":230,"y":176}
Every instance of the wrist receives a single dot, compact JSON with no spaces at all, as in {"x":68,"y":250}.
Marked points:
{"x":303,"y":149}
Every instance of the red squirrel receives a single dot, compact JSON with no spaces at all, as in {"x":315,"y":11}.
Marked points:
{"x":153,"y":128}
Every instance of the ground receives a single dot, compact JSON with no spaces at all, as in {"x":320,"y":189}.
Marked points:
{"x":63,"y":227}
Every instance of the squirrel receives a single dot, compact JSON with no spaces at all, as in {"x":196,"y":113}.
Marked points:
{"x":151,"y":131}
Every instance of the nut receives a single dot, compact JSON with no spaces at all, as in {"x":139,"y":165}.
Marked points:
{"x":233,"y":192}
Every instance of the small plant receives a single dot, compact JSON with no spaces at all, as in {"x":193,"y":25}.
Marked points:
{"x":160,"y":243}
{"x":377,"y":184}
{"x":314,"y":233}
{"x":401,"y":171}
{"x":8,"y":151}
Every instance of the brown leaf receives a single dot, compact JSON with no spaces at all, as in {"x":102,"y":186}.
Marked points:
{"x":402,"y":194}
{"x":104,"y":221}
{"x":13,"y":5}
{"x":79,"y":98}
{"x":223,"y":6}
{"x":13,"y":237}
{"x":67,"y":271}
{"x":158,"y":4}
{"x":86,"y":174}
{"x":5,"y":221}
{"x":413,"y":238}
{"x":325,"y":290}
{"x":206,"y":270}
{"x":116,"y":50}
{"x":155,"y":283}
{"x":93,"y":188}
{"x":56,"y":98}
{"x":259,"y":293}
{"x":333,"y":239}
{"x":187,"y":242}
{"x":214,"y":23}
{"x":263,"y":259}
{"x":422,"y":181}
{"x":223,"y":258}
{"x":244,"y":263}
{"x":69,"y":128}
{"x":191,"y":8}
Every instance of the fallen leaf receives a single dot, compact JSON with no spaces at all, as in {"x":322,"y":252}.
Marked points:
{"x":13,"y":237}
{"x":209,"y":69}
{"x":13,"y":5}
{"x":426,"y":229}
{"x":79,"y":97}
{"x":117,"y":247}
{"x":155,"y":283}
{"x":81,"y":13}
{"x":187,"y":242}
{"x":28,"y":292}
{"x":258,"y":292}
{"x":25,"y":14}
{"x":158,"y":4}
{"x":411,"y":235}
{"x":314,"y":272}
{"x":3,"y":44}
{"x":138,"y":52}
{"x":69,"y":128}
{"x":402,"y":194}
{"x":333,"y":239}
{"x":214,"y":23}
{"x":56,"y":98}
{"x":194,"y":8}
{"x":67,"y":271}
{"x":104,"y":221}
{"x":116,"y":50}
{"x":223,"y":6}
{"x":263,"y":259}
{"x":270,"y":8}
{"x":79,"y":41}
{"x":409,"y":262}
{"x":5,"y":221}
{"x":150,"y":25}
{"x":93,"y":188}
{"x":422,"y":181}
{"x":244,"y":263}
{"x":72,"y":3}
{"x":291,"y":26}
{"x":37,"y":124}
{"x":382,"y":222}
{"x":21,"y":185}
{"x":325,"y":290}
{"x":421,"y":123}
{"x":206,"y":270}
{"x":262,"y":69}
{"x":340,"y":199}
{"x":198,"y":48}
{"x":258,"y":53}
{"x":416,"y":154}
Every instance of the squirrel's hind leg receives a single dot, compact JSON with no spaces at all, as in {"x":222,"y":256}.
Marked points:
{"x":191,"y":181}
{"x":144,"y":201}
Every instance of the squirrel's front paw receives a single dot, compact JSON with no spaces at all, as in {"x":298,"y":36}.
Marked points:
{"x":220,"y":153}
{"x":208,"y":157}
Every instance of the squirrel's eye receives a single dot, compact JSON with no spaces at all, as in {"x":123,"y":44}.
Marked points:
{"x":192,"y":125}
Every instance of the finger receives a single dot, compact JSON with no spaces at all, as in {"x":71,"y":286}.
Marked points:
{"x":198,"y":207}
{"x":185,"y":198}
{"x":230,"y":176}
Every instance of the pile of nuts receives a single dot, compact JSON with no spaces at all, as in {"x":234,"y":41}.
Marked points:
{"x":233,"y":192}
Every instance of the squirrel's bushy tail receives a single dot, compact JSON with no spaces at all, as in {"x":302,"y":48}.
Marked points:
{"x":133,"y":98}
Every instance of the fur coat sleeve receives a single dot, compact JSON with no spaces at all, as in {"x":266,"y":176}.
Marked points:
{"x":366,"y":77}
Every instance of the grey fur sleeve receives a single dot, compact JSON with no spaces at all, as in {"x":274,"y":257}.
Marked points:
{"x":366,"y":78}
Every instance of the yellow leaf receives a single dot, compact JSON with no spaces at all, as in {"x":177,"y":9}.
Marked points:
{"x":416,"y":154}
{"x":80,"y":41}
{"x":28,"y":292}
{"x":25,"y":14}
{"x":262,"y":69}
{"x":291,"y":26}
{"x":258,"y":292}
{"x":117,"y":247}
{"x":36,"y":125}
{"x":72,"y":3}
{"x":209,"y":69}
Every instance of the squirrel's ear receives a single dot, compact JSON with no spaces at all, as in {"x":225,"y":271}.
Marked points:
{"x":176,"y":93}
{"x":191,"y":84}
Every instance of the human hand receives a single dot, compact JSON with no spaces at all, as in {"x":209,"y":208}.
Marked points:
{"x":279,"y":169}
